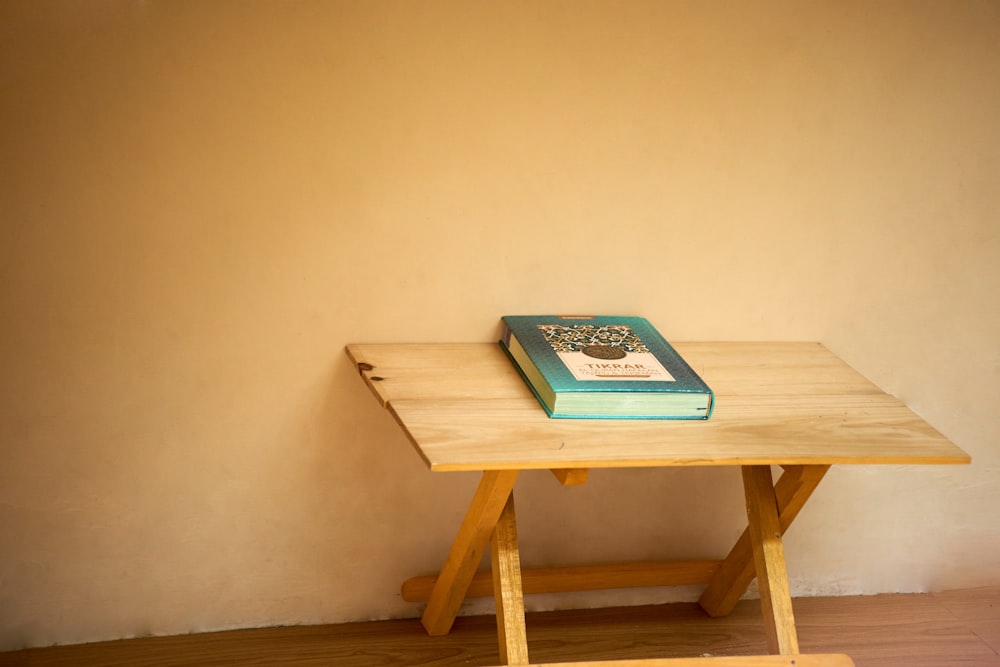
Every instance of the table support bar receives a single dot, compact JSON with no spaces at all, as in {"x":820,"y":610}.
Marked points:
{"x":573,"y":578}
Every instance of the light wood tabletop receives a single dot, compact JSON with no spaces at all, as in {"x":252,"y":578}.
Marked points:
{"x":464,"y":406}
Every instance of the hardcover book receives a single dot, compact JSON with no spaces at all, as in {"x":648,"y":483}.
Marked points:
{"x":594,"y":367}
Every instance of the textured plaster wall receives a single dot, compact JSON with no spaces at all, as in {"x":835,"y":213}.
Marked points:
{"x":201,"y":203}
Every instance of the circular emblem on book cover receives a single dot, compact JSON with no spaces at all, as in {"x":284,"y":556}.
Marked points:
{"x":604,"y":352}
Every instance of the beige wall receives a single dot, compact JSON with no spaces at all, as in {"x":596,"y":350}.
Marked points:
{"x":202,"y":203}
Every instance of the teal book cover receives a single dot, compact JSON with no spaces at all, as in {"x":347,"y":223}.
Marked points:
{"x":604,"y":366}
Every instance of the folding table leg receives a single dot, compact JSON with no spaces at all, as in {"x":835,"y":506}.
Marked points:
{"x":467,"y":550}
{"x":507,"y":590}
{"x":769,"y":560}
{"x":737,"y":571}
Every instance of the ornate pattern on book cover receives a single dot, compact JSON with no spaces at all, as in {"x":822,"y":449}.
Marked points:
{"x":604,"y":352}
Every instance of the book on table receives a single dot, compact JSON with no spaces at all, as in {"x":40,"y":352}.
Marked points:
{"x":604,"y":367}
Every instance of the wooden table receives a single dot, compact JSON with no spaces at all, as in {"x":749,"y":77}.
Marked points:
{"x":794,"y":405}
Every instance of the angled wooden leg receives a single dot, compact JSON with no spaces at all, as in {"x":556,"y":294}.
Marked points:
{"x":737,"y":571}
{"x":507,"y":589}
{"x":769,"y":560}
{"x":467,"y":550}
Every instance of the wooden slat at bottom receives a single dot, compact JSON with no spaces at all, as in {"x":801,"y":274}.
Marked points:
{"x":817,"y":660}
{"x":581,"y":578}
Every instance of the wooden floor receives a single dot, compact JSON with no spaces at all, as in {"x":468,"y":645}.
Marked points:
{"x":939,"y":629}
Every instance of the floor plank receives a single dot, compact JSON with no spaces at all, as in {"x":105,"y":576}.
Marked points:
{"x":979,"y":609}
{"x":891,"y":629}
{"x":955,"y":628}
